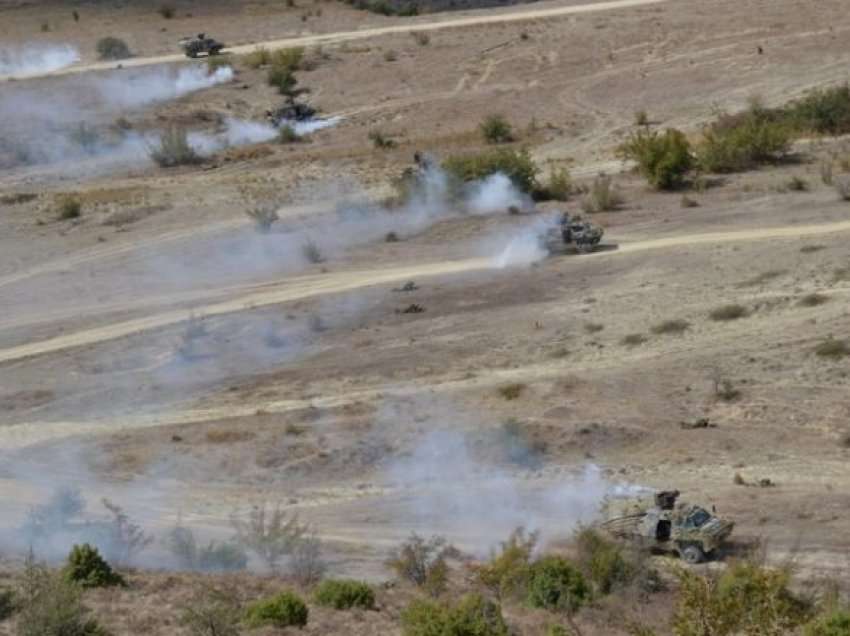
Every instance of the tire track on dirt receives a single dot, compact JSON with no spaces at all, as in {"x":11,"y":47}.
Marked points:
{"x":344,"y":36}
{"x":317,"y":285}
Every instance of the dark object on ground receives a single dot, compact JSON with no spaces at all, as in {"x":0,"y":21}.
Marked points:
{"x":413,"y":308}
{"x":584,"y":235}
{"x":702,"y":422}
{"x":291,"y":111}
{"x":409,"y":286}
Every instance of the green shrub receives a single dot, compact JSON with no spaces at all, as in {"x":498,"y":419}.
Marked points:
{"x":289,"y":59}
{"x":602,"y":561}
{"x":287,"y":135}
{"x":603,"y":196}
{"x":813,"y":300}
{"x":473,"y":615}
{"x":260,"y":56}
{"x":512,"y":391}
{"x":7,"y":604}
{"x":422,"y":562}
{"x":825,"y":111}
{"x":70,"y":208}
{"x":282,"y":78}
{"x":832,"y":348}
{"x":516,"y":164}
{"x":662,"y":159}
{"x":735,"y":144}
{"x":110,"y":48}
{"x":496,"y":130}
{"x":344,"y":594}
{"x":729,"y":312}
{"x":671,"y":326}
{"x":87,"y":568}
{"x":506,"y":574}
{"x":834,"y":623}
{"x":50,"y":605}
{"x":559,"y":186}
{"x":284,"y":610}
{"x":173,"y":149}
{"x":556,"y":584}
{"x":167,"y":11}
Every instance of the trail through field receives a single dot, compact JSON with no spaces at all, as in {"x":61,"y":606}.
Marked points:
{"x":344,"y":36}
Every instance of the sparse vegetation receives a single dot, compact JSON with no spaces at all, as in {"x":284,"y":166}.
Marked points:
{"x":473,"y":615}
{"x":496,"y":130}
{"x":739,"y":142}
{"x":729,"y":312}
{"x":641,"y":118}
{"x":671,"y":327}
{"x":87,"y":568}
{"x":832,"y":623}
{"x":688,"y":202}
{"x":173,"y":149}
{"x":602,"y":561}
{"x":833,"y":348}
{"x":724,"y":390}
{"x":167,"y":11}
{"x":421,"y":38}
{"x":422,"y":562}
{"x":286,"y":609}
{"x":287,"y":135}
{"x":306,"y":564}
{"x":663,"y":159}
{"x":826,"y":172}
{"x":516,"y":164}
{"x":390,"y":55}
{"x":263,"y":217}
{"x":593,"y":327}
{"x":512,"y":391}
{"x":70,"y":208}
{"x":50,"y":605}
{"x":260,"y":56}
{"x":381,"y":140}
{"x":559,"y":186}
{"x":557,"y":585}
{"x":269,"y":533}
{"x":602,"y":196}
{"x":212,"y":613}
{"x":214,"y":557}
{"x":110,"y":48}
{"x":634,"y":339}
{"x":343,"y":594}
{"x":8,"y":606}
{"x":842,"y":187}
{"x":813,"y":300}
{"x":797,"y":184}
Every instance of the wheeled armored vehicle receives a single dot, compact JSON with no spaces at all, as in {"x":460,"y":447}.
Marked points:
{"x":194,"y":47}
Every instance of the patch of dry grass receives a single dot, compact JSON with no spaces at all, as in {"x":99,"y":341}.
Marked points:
{"x":512,"y":391}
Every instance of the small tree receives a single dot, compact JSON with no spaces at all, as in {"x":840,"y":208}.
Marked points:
{"x":263,"y":217}
{"x":507,"y":572}
{"x":126,"y":538}
{"x":306,"y":564}
{"x":284,"y":610}
{"x":87,"y":568}
{"x":213,"y":613}
{"x":269,"y":533}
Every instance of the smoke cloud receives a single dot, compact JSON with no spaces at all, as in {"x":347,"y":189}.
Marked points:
{"x":36,"y":59}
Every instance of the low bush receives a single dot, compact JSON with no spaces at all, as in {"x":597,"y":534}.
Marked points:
{"x":671,"y":326}
{"x":87,"y":568}
{"x":284,"y":610}
{"x":110,"y":48}
{"x":496,"y":130}
{"x":663,"y":159}
{"x":70,"y":208}
{"x":813,"y":300}
{"x":50,"y":605}
{"x":602,"y":561}
{"x":344,"y":594}
{"x":281,"y":78}
{"x":167,"y":11}
{"x":602,"y":196}
{"x":825,"y":111}
{"x":556,"y":584}
{"x":260,"y":56}
{"x":173,"y":149}
{"x":287,"y":135}
{"x":7,"y":604}
{"x":559,"y":186}
{"x":736,"y":143}
{"x":263,"y":217}
{"x":381,"y":141}
{"x":422,"y":562}
{"x":506,"y":573}
{"x":516,"y":164}
{"x":214,"y":613}
{"x":512,"y":391}
{"x":634,"y":339}
{"x":832,"y":348}
{"x":473,"y":615}
{"x":834,"y":623}
{"x":729,"y":312}
{"x":311,"y":252}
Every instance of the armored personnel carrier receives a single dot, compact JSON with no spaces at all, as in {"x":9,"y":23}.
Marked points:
{"x":193,"y":47}
{"x":658,"y":522}
{"x":573,"y":231}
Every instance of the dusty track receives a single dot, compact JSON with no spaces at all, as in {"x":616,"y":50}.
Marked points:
{"x":316,"y":285}
{"x":343,"y":36}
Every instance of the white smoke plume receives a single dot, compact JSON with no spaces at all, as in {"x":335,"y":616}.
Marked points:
{"x":131,"y":88}
{"x":34,"y":59}
{"x":496,"y":193}
{"x":526,"y":245}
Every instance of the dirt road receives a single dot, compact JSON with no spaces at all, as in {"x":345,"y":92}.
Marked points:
{"x":317,"y":285}
{"x":344,"y":36}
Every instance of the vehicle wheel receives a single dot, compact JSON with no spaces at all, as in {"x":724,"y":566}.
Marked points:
{"x":585,"y":248}
{"x":692,"y":554}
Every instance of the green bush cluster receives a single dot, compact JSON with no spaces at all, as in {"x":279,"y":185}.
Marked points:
{"x":496,"y":130}
{"x":664,"y":159}
{"x":87,"y":568}
{"x":602,"y":561}
{"x":7,"y":604}
{"x":473,"y":615}
{"x":556,"y":584}
{"x":833,"y":623}
{"x":825,"y":111}
{"x":743,"y":142}
{"x":516,"y":164}
{"x":174,"y":149}
{"x":284,"y":610}
{"x":344,"y":594}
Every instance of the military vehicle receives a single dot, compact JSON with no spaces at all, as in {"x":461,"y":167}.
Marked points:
{"x":193,"y":47}
{"x":658,"y":522}
{"x":585,"y":236}
{"x":291,"y":111}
